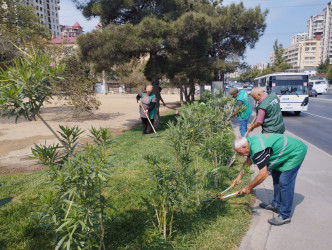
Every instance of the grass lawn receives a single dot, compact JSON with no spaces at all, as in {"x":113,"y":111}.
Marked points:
{"x":213,"y":225}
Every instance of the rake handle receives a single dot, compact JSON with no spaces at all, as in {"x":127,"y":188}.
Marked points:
{"x":147,"y":116}
{"x":253,"y":121}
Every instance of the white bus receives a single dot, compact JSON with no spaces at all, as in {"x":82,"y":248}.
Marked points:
{"x":319,"y":85}
{"x":291,"y":88}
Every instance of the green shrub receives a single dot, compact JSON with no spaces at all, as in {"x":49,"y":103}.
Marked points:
{"x":200,"y":130}
{"x":75,"y":210}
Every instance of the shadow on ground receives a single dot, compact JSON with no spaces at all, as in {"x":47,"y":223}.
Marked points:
{"x":298,"y":199}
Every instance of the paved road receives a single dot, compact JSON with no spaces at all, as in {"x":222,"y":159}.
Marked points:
{"x":315,"y":125}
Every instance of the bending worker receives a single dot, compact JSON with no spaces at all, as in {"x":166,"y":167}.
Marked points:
{"x":281,"y":154}
{"x":241,"y":99}
{"x":269,"y":114}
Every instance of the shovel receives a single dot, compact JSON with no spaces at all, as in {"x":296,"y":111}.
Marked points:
{"x":231,"y":161}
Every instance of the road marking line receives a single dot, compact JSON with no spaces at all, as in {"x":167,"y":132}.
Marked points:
{"x":320,"y":99}
{"x":317,"y":115}
{"x":311,"y":104}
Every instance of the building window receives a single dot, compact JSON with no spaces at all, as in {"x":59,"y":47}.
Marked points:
{"x":41,"y":9}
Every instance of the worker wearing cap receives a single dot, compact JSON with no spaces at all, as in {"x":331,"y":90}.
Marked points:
{"x":242,"y":100}
{"x":269,"y":114}
{"x":283,"y":156}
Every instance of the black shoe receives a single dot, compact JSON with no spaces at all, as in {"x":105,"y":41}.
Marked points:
{"x":278,"y":221}
{"x":269,"y":207}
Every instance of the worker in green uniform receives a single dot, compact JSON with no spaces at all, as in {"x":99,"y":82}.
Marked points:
{"x":283,"y":156}
{"x":269,"y":114}
{"x":242,"y":100}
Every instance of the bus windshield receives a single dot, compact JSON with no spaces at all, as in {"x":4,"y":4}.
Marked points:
{"x":289,"y":85}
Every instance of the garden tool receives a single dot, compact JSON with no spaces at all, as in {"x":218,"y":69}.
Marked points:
{"x":147,"y":116}
{"x":229,"y":117}
{"x":221,"y":197}
{"x":231,"y":161}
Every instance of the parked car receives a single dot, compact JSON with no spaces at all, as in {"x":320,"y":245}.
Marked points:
{"x":313,"y":92}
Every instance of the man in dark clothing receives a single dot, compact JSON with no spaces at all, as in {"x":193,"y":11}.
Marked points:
{"x":148,"y":101}
{"x":269,"y":114}
{"x":283,"y":156}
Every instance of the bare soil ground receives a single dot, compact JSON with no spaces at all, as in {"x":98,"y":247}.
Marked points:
{"x":119,"y":112}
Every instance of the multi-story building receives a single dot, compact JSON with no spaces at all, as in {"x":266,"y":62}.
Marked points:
{"x":327,"y":33}
{"x":304,"y":55}
{"x":71,"y":31}
{"x":315,"y":26}
{"x":47,"y":10}
{"x":299,"y":37}
{"x":272,"y":58}
{"x":261,"y":65}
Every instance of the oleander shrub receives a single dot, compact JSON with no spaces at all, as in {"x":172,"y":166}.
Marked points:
{"x":74,"y":210}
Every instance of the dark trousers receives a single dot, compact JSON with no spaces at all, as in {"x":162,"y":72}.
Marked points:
{"x":146,"y":125}
{"x":284,"y":186}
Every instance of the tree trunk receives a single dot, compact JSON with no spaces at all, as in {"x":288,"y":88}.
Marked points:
{"x":192,"y":90}
{"x":216,"y":75}
{"x":181,"y":94}
{"x":104,"y":82}
{"x":186,"y":96}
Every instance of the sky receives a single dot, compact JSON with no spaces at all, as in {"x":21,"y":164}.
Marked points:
{"x":285,"y":19}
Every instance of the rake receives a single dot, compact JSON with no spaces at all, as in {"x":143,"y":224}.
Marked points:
{"x":147,"y":116}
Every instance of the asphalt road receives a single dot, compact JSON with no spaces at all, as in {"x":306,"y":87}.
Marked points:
{"x":315,"y":125}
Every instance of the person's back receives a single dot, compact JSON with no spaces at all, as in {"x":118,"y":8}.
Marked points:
{"x":269,"y":115}
{"x":273,"y":120}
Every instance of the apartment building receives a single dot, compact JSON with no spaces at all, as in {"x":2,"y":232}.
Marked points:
{"x":261,"y":65}
{"x":304,"y":55}
{"x":327,"y":33}
{"x":299,"y":37}
{"x":315,"y":26}
{"x":272,"y":58}
{"x":47,"y":10}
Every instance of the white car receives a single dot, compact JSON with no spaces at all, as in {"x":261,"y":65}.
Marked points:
{"x":319,"y":85}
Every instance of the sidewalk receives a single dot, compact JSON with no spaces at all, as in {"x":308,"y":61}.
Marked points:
{"x":312,"y":208}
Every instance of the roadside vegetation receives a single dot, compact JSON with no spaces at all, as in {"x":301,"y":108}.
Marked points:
{"x":131,"y":191}
{"x":146,"y":176}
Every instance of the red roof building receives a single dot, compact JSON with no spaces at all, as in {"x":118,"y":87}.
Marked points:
{"x":63,"y":40}
{"x":71,"y":31}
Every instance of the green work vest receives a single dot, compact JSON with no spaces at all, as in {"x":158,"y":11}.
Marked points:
{"x":288,"y":152}
{"x":243,"y":96}
{"x":273,"y":121}
{"x":152,"y":112}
